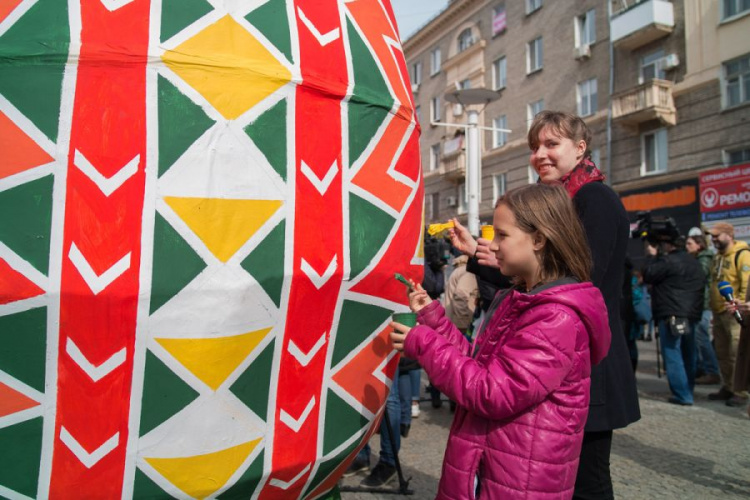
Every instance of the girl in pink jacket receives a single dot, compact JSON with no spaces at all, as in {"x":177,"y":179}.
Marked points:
{"x":522,"y":387}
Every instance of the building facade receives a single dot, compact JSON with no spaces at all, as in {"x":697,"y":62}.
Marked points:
{"x":663,"y":85}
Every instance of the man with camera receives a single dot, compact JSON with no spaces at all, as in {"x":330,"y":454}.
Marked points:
{"x":677,"y":299}
{"x":731,"y":264}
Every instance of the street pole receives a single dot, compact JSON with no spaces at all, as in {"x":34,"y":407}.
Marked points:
{"x":473,"y":171}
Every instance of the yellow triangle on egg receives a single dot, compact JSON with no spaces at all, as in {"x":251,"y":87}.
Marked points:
{"x":202,"y":475}
{"x":213,"y":359}
{"x":223,"y":225}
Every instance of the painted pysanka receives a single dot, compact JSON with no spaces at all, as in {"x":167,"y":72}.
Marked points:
{"x":204,"y":204}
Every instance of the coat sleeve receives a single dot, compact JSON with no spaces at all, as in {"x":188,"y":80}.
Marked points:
{"x":433,"y":317}
{"x":655,"y":270}
{"x":743,"y":273}
{"x":521,"y":373}
{"x":593,"y":204}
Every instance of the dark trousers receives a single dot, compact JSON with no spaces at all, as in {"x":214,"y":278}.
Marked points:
{"x":593,"y":481}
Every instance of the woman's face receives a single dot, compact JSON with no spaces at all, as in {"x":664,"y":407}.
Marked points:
{"x":514,"y":249}
{"x":555,"y":156}
{"x":692,"y":247}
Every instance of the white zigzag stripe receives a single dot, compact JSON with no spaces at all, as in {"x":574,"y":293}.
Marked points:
{"x":113,"y":5}
{"x":323,"y":184}
{"x":95,"y":372}
{"x":304,"y":359}
{"x":96,"y":282}
{"x":296,"y":424}
{"x":284,"y":485}
{"x":317,"y":279}
{"x":86,"y":458}
{"x":323,"y":40}
{"x":107,"y":186}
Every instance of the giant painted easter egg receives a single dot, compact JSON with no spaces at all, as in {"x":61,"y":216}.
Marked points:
{"x":202,"y":207}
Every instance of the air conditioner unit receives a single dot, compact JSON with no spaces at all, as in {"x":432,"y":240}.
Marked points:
{"x":670,"y":61}
{"x":582,"y":51}
{"x":451,"y":201}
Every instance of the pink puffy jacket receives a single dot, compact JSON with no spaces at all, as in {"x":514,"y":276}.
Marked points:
{"x":522,"y":390}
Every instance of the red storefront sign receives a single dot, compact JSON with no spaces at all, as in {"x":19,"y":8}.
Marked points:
{"x":725,"y":189}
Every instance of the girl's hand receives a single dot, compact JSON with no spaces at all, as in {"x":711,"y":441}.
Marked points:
{"x":484,"y":255}
{"x":398,"y":335}
{"x":418,"y":298}
{"x":742,"y":307}
{"x":462,"y":239}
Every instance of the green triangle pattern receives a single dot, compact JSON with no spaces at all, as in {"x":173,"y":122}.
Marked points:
{"x":326,"y":468}
{"x":266,"y":263}
{"x":181,"y":122}
{"x":179,"y":14}
{"x":346,"y":422}
{"x":254,"y":385}
{"x":268,"y":132}
{"x":21,"y":456}
{"x":33,"y":53}
{"x":357,"y":322}
{"x":271,"y":20}
{"x":164,"y":394}
{"x":144,"y":487}
{"x":369,"y":228}
{"x":23,"y":337}
{"x":26,"y":220}
{"x":371,"y":101}
{"x":247,"y":483}
{"x":175,"y":263}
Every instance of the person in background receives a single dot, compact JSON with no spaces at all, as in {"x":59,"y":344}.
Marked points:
{"x":522,"y":388}
{"x":741,"y":380}
{"x":708,"y":365}
{"x":408,"y":389}
{"x":678,"y":284}
{"x":461,"y":295}
{"x":731,"y":264}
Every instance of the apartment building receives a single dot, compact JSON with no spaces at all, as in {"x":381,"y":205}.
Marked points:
{"x":675,"y":75}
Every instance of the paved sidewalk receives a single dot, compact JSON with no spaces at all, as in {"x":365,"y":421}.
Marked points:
{"x":697,"y":452}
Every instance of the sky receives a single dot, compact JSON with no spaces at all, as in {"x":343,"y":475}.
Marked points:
{"x":413,"y":14}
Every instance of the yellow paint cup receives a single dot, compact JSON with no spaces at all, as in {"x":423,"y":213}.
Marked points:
{"x":488,"y":232}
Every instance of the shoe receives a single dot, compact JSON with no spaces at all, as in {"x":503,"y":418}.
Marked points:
{"x":736,"y":401}
{"x":415,"y":410}
{"x":723,"y":395}
{"x":357,"y":466}
{"x":405,"y":430}
{"x":649,"y":338}
{"x":708,"y":379}
{"x":676,"y":401}
{"x":380,"y":475}
{"x":435,"y":398}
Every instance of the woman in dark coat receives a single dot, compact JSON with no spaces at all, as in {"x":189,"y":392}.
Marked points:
{"x":559,"y":144}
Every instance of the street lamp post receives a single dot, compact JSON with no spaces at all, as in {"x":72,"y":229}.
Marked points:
{"x":468,"y":97}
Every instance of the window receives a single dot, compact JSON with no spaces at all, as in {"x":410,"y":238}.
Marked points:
{"x":533,"y":5}
{"x":435,"y":206}
{"x":435,"y":62}
{"x":435,"y":115}
{"x":499,"y":138}
{"x":585,"y":28}
{"x":737,"y":81}
{"x":534,"y":55}
{"x":498,"y":186}
{"x":463,"y":206}
{"x":416,"y":77}
{"x":654,"y":152}
{"x":586,"y":97}
{"x":417,"y":113}
{"x":651,"y":66}
{"x":737,"y":156}
{"x":499,"y":20}
{"x":465,"y":40}
{"x":499,"y":73}
{"x":465,"y":84}
{"x":533,"y":176}
{"x":532,"y":110}
{"x":731,"y":8}
{"x":596,"y":157}
{"x":434,"y":157}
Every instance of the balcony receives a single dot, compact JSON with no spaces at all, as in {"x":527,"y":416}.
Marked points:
{"x":649,"y":101}
{"x":642,"y":23}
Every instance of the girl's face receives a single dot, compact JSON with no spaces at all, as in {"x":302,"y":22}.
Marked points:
{"x":691,"y":246}
{"x":555,"y":156}
{"x":515,"y":249}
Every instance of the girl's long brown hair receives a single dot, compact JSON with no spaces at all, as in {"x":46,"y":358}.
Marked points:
{"x":548,"y":209}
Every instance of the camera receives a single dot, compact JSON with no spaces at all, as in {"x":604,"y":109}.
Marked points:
{"x":655,"y":229}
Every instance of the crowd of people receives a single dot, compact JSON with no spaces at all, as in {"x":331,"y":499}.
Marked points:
{"x":531,"y":335}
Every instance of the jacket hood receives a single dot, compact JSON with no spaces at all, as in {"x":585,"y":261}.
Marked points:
{"x":587,"y":302}
{"x":738,"y":245}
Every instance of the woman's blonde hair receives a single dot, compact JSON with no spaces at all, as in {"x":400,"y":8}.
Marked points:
{"x":562,"y":124}
{"x":547,"y":209}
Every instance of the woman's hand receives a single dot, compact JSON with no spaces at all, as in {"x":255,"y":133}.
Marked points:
{"x":418,"y":298}
{"x":742,"y":307}
{"x":462,"y":239}
{"x":485,"y":256}
{"x":398,"y":335}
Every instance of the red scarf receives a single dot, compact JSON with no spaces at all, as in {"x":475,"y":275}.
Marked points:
{"x":582,"y":174}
